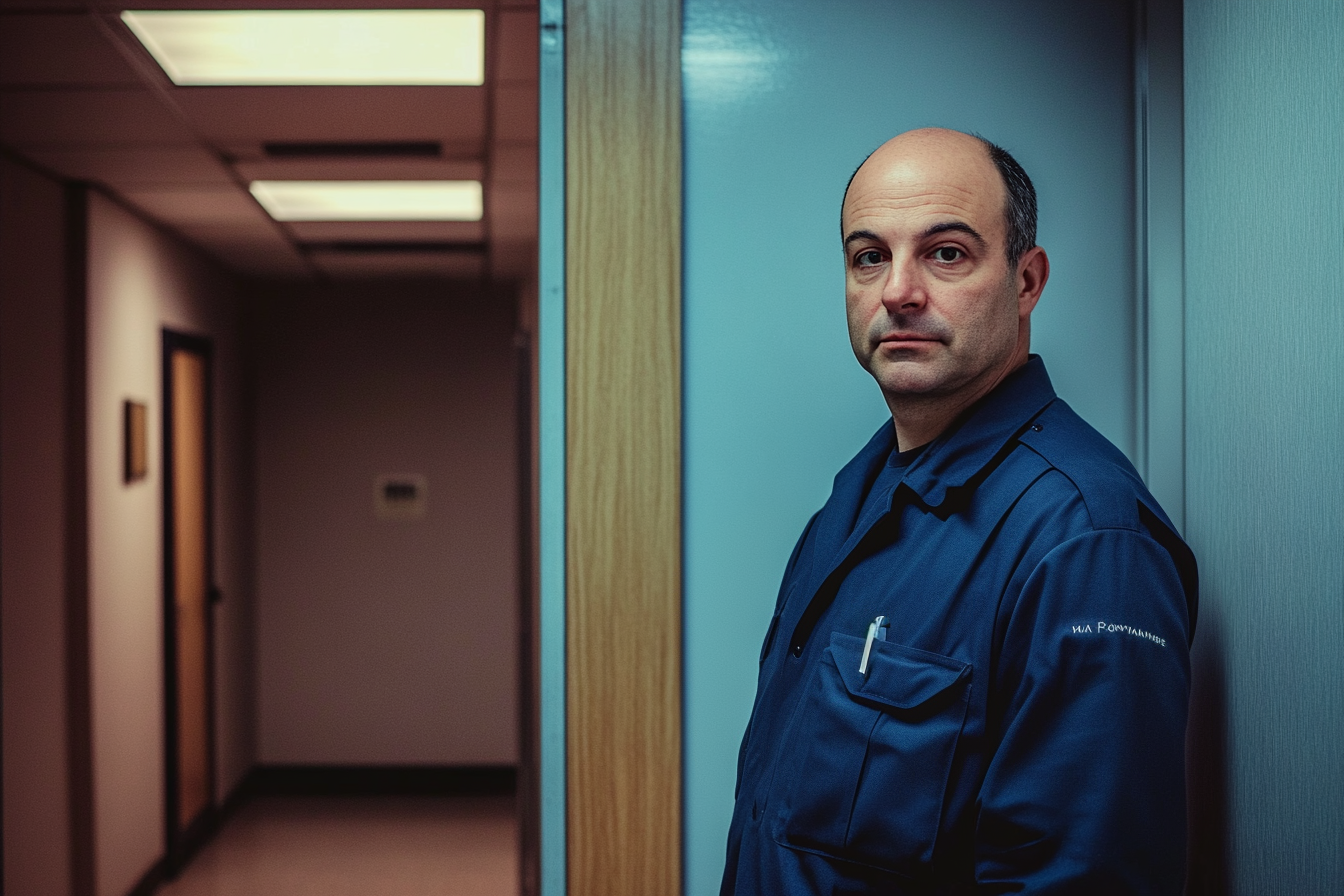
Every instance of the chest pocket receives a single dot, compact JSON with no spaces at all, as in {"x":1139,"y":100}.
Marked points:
{"x":877,"y":752}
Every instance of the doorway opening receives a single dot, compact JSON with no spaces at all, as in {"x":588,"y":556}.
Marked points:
{"x":189,"y":591}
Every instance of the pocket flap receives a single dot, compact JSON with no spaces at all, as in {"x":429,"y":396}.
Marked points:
{"x":899,"y":676}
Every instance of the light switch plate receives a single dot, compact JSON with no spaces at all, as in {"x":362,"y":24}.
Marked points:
{"x":400,"y":496}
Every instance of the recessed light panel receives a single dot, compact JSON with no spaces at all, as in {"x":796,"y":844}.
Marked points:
{"x":315,"y":46}
{"x":388,"y":200}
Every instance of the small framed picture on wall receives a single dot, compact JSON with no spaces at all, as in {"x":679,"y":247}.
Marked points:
{"x":136,"y":440}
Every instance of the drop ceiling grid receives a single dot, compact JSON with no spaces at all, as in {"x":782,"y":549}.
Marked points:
{"x":71,"y":102}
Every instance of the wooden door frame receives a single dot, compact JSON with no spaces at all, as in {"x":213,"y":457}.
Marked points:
{"x":622,"y":467}
{"x":180,"y":845}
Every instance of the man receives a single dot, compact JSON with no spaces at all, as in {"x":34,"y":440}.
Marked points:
{"x":976,"y":676}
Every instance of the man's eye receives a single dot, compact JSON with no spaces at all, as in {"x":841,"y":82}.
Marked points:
{"x":868,"y":258}
{"x":947,"y":254}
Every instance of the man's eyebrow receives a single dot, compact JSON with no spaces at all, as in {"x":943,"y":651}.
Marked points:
{"x":857,"y":235}
{"x":944,"y":227}
{"x":958,"y":227}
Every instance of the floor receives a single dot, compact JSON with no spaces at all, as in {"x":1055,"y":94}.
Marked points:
{"x":360,"y":846}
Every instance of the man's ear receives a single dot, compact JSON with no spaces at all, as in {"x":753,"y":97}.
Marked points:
{"x":1033,"y":269}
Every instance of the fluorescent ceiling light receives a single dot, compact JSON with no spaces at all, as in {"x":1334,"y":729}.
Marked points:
{"x":315,"y":46}
{"x":376,"y":200}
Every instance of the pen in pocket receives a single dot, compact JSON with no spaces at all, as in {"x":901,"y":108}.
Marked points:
{"x":877,"y":631}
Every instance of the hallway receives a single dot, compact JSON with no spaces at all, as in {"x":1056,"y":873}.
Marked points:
{"x":359,"y":846}
{"x":349,"y":360}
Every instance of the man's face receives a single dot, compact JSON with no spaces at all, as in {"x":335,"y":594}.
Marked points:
{"x":934,"y":310}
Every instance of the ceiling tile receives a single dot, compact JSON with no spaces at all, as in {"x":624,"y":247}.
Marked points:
{"x":513,"y":259}
{"x":519,"y":46}
{"x":44,"y":6}
{"x":455,"y":265}
{"x":512,"y":212}
{"x":126,"y":167}
{"x":202,"y":206}
{"x":239,"y":235}
{"x":513,"y":163}
{"x":516,"y":109}
{"x":62,"y":49}
{"x":257,"y":114}
{"x":387,"y":231}
{"x":256,"y":249}
{"x":262,"y":263}
{"x":29,"y":117}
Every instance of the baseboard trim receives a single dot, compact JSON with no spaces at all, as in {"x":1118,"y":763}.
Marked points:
{"x":155,"y":877}
{"x":162,"y":871}
{"x":383,"y":780}
{"x":201,"y":833}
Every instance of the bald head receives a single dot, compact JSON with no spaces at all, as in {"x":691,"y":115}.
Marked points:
{"x":1018,"y":197}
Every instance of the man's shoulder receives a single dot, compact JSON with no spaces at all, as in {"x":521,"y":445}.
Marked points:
{"x":1089,"y":470}
{"x":1103,"y":478}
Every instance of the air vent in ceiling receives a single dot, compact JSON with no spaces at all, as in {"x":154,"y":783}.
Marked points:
{"x":403,"y":149}
{"x":370,"y":247}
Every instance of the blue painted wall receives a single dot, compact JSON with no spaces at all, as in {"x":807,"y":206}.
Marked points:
{"x":783,"y":99}
{"x":1264,"y":152}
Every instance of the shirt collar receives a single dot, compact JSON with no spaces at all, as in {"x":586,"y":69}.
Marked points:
{"x":954,"y":459}
{"x":950,"y":463}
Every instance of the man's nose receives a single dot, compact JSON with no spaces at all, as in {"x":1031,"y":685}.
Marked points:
{"x":904,"y":290}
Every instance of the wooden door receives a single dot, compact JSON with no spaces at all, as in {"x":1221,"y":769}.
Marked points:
{"x":187,"y":549}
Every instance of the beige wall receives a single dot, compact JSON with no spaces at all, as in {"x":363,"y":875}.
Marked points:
{"x":139,"y":281}
{"x":382,"y":641}
{"x":33,"y":369}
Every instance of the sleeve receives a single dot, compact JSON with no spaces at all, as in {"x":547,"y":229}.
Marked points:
{"x":1086,"y":789}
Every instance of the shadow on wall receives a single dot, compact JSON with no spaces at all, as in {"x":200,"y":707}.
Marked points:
{"x":1206,"y":761}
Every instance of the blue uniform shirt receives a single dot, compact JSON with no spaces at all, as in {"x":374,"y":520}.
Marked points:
{"x":1021,"y":728}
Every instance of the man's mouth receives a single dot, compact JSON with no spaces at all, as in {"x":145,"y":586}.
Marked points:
{"x":900,"y":340}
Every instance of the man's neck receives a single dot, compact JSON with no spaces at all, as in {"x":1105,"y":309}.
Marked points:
{"x":917,"y":425}
{"x":919,"y":419}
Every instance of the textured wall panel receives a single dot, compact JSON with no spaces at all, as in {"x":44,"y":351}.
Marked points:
{"x":1264,"y":113}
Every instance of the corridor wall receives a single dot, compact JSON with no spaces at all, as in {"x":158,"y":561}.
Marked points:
{"x":386,"y":641}
{"x":34,"y":493}
{"x":140,"y":280}
{"x":85,"y":288}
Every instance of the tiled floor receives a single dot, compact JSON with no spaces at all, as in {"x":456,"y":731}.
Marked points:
{"x":360,"y":846}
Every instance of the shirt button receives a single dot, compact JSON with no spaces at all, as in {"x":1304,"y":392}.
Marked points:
{"x":797,"y":650}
